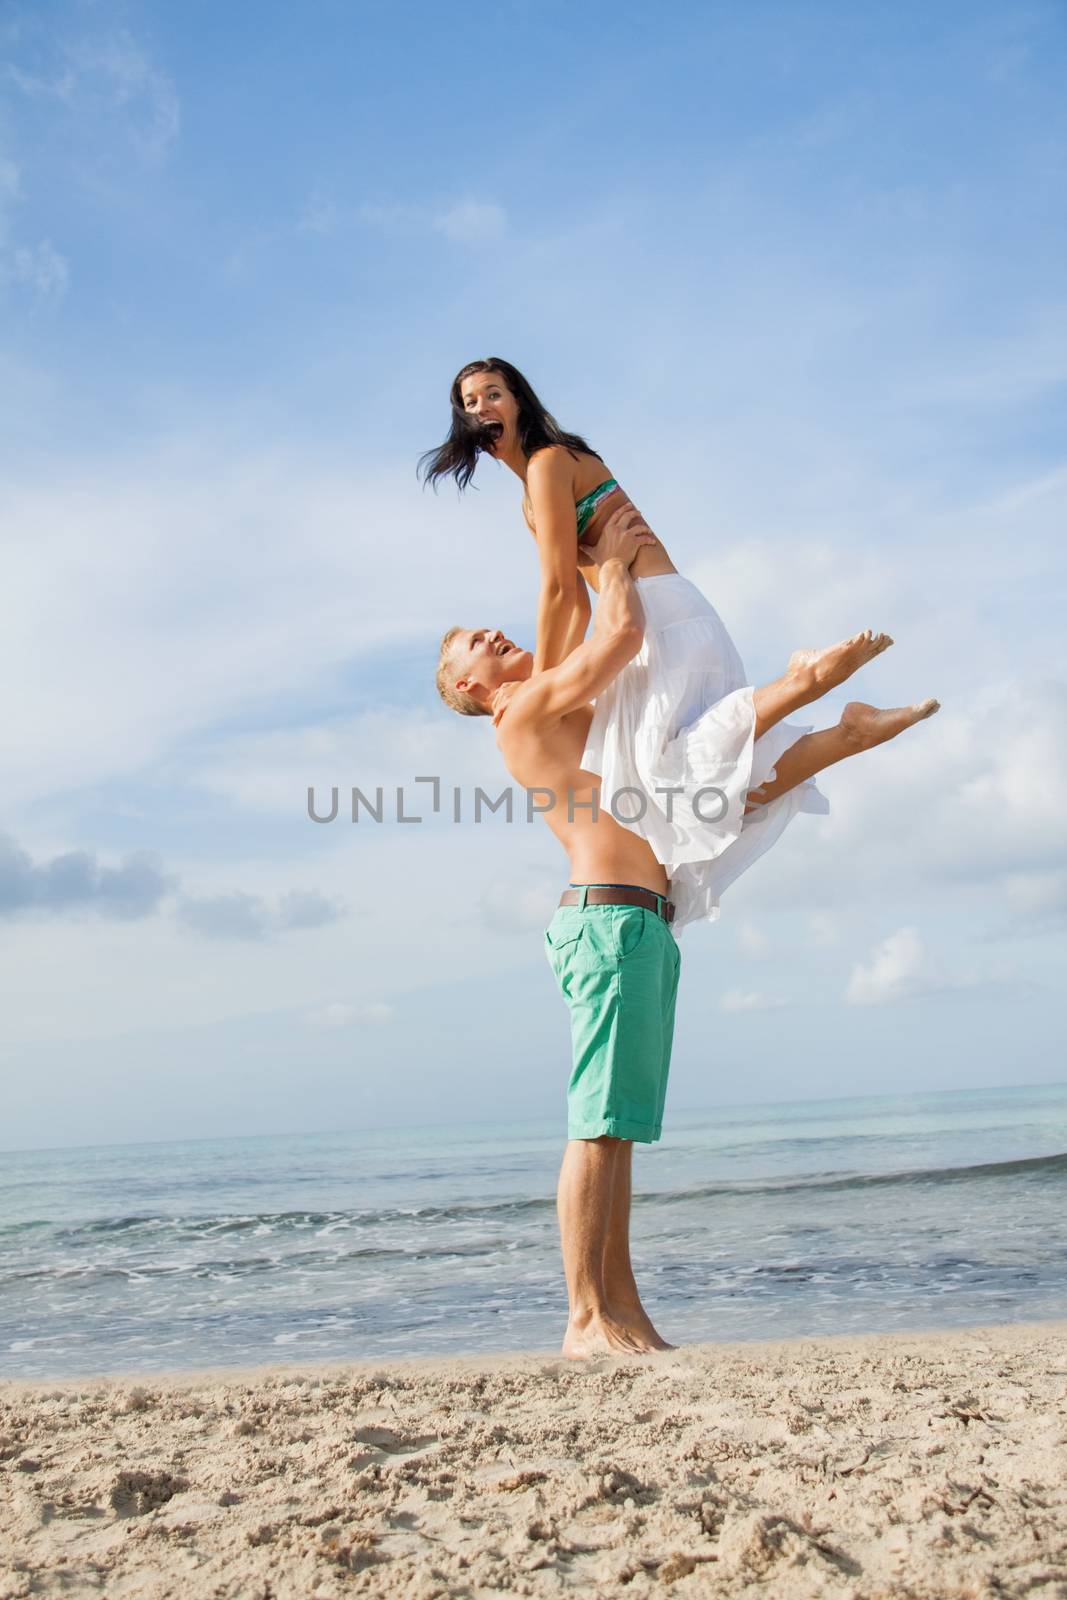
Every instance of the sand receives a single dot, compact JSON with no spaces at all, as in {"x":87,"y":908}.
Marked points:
{"x":930,"y":1464}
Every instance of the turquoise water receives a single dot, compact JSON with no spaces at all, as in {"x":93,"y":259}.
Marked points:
{"x":895,"y":1212}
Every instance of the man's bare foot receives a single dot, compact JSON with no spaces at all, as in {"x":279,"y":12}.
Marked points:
{"x":632,"y":1314}
{"x":825,"y":669}
{"x":867,"y":726}
{"x":602,"y":1334}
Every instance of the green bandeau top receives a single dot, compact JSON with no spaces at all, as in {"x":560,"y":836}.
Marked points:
{"x":589,"y":502}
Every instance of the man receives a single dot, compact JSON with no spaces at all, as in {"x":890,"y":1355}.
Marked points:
{"x":609,"y":943}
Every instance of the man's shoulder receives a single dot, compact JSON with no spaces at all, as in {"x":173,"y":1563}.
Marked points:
{"x":524,"y":706}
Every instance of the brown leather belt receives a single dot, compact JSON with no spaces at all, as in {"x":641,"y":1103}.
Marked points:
{"x":608,"y":895}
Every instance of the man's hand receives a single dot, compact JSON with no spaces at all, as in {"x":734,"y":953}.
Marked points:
{"x":624,"y":533}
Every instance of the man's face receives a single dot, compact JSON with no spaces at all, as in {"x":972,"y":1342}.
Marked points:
{"x":485,"y":658}
{"x":487,"y":398}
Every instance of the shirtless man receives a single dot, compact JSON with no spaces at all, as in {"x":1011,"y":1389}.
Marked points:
{"x":609,"y":943}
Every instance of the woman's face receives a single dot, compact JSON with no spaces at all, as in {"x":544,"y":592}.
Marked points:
{"x":487,"y":398}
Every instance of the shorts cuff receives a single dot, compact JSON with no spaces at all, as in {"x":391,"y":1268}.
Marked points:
{"x":615,"y":1128}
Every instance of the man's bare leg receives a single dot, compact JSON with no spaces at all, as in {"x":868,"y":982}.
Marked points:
{"x":812,"y":673}
{"x":861,"y":728}
{"x":584,"y":1201}
{"x":619,"y":1284}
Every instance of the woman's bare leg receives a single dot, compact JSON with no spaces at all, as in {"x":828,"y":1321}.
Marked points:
{"x":861,"y":728}
{"x":811,"y":673}
{"x":620,"y":1287}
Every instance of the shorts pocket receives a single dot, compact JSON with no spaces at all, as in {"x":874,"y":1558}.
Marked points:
{"x":629,"y":925}
{"x":562,"y":938}
{"x":562,"y":947}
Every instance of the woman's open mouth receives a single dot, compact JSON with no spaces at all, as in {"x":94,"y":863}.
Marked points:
{"x":494,"y":431}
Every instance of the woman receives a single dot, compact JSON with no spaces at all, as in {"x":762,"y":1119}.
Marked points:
{"x":680,"y":724}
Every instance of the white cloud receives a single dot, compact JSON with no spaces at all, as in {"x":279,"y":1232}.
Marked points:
{"x":404,"y":889}
{"x":320,"y":215}
{"x":467,"y":221}
{"x":896,"y":972}
{"x":374,"y":752}
{"x":888,"y":555}
{"x":337,"y":1014}
{"x":1037,"y":897}
{"x":237,"y":914}
{"x":36,"y":86}
{"x":107,"y":74}
{"x":901,"y":969}
{"x":134,"y":84}
{"x":96,"y":79}
{"x":964,"y":802}
{"x":38,"y":267}
{"x":980,"y":798}
{"x":520,"y":905}
{"x":9,"y":181}
{"x":752,"y":941}
{"x":969,"y":797}
{"x":41,"y":268}
{"x":750,"y":1000}
{"x":823,"y":929}
{"x":388,"y":217}
{"x":1009,"y":370}
{"x":188,"y":600}
{"x":377,"y":1013}
{"x":471,"y":221}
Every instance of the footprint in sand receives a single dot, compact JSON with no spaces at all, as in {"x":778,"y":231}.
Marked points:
{"x":134,"y":1492}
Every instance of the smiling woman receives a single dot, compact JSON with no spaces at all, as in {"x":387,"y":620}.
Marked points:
{"x":510,"y":399}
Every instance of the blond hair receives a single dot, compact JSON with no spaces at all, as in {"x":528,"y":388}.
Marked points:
{"x":458,"y":699}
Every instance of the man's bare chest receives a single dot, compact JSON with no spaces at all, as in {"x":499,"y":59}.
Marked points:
{"x":550,"y":754}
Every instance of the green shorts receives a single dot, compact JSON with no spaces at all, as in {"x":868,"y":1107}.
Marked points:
{"x":617,"y":969}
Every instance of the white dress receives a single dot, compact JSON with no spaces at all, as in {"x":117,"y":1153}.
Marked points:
{"x":680,"y":717}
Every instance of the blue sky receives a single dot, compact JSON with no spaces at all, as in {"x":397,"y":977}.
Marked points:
{"x":796,"y":270}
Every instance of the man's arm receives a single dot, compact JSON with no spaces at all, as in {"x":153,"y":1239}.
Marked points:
{"x":617,"y":634}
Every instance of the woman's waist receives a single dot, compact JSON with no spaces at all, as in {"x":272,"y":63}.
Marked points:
{"x":668,"y":599}
{"x":651,"y":561}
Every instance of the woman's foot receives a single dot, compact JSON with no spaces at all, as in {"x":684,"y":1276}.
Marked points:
{"x":866,"y":726}
{"x":825,"y":669}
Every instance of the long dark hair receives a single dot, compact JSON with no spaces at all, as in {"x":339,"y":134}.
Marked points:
{"x":467,"y":438}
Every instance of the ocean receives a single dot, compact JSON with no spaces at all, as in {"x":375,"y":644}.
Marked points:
{"x":878,"y":1213}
